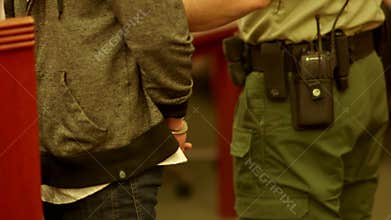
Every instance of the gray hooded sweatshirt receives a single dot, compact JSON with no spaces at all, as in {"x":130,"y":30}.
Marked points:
{"x":108,"y":72}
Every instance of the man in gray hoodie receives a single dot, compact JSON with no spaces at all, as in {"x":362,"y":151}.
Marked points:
{"x":113,"y":85}
{"x":109,"y":73}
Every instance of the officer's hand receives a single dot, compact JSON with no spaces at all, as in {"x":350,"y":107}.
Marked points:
{"x":388,"y":3}
{"x":177,"y":124}
{"x":203,"y":15}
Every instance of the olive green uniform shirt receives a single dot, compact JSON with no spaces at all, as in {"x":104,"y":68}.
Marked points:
{"x":294,"y":21}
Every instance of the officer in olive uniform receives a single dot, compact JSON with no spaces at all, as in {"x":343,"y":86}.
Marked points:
{"x":383,"y":37}
{"x":310,"y":121}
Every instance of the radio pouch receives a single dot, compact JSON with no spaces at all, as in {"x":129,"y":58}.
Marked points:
{"x":313,"y":96}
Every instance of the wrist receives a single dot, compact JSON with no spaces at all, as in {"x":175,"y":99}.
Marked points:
{"x":181,"y":131}
{"x":175,"y":124}
{"x":388,"y":3}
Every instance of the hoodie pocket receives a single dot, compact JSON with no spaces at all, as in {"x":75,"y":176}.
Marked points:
{"x":67,"y":130}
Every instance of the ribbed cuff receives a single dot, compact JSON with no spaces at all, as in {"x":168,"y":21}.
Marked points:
{"x":173,"y":111}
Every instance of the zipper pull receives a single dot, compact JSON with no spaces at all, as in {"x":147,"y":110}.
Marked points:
{"x":60,"y":8}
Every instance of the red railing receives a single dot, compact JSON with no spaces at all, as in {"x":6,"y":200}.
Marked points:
{"x":19,"y":152}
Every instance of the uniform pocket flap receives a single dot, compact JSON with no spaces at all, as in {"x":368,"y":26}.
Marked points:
{"x":241,"y":142}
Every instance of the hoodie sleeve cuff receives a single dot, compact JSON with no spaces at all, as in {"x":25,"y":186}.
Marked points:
{"x":173,"y":111}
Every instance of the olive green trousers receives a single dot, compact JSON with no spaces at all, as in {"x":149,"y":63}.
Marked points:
{"x":281,"y":173}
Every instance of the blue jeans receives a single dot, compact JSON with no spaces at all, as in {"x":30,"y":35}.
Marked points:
{"x":133,"y":199}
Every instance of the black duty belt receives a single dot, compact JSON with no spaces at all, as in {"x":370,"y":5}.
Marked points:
{"x":359,"y":46}
{"x":315,"y":65}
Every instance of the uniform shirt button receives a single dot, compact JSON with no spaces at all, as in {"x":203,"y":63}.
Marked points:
{"x":122,"y":174}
